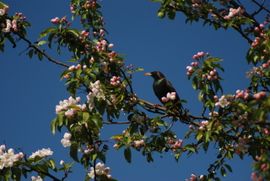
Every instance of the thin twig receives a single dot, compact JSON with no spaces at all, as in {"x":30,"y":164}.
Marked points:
{"x":117,"y":123}
{"x":129,"y":84}
{"x":261,"y":6}
{"x":259,"y":10}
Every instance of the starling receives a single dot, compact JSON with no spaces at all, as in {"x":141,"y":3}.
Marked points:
{"x":163,"y":88}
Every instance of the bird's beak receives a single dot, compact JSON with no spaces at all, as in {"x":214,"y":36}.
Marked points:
{"x":148,"y":74}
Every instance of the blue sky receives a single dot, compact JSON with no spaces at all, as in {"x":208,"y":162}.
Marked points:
{"x":30,"y":89}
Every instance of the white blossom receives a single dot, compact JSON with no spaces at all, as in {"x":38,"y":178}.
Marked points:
{"x":68,"y":105}
{"x":139,"y":143}
{"x":36,"y":178}
{"x":41,"y":153}
{"x":170,"y":96}
{"x":96,"y":92}
{"x":8,"y":26}
{"x":222,"y":102}
{"x":8,"y":157}
{"x":66,"y":140}
{"x":62,"y":162}
{"x":100,"y":170}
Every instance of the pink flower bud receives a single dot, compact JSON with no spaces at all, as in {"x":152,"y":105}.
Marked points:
{"x":110,"y":45}
{"x":55,"y":20}
{"x":164,"y":99}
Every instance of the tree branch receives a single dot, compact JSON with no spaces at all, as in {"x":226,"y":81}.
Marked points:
{"x":35,"y":47}
{"x":185,"y":118}
{"x":42,"y":172}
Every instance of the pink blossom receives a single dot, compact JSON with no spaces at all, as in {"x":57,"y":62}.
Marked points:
{"x":266,"y":131}
{"x":84,"y":33}
{"x":259,"y":95}
{"x":234,"y":12}
{"x":110,"y":45}
{"x":14,"y":25}
{"x":55,"y":20}
{"x":115,"y":80}
{"x":199,"y":55}
{"x":164,"y":99}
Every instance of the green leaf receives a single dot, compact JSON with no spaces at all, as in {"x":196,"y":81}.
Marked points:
{"x":51,"y":164}
{"x":199,"y":136}
{"x":74,"y":152}
{"x":229,"y":168}
{"x":30,"y":53}
{"x":16,"y":173}
{"x":53,"y":125}
{"x":2,"y":5}
{"x":46,"y":32}
{"x":97,"y":120}
{"x":127,"y":153}
{"x":40,"y":43}
{"x":85,"y":116}
{"x":223,"y":172}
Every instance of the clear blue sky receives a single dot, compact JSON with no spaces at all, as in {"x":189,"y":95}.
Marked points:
{"x":30,"y":89}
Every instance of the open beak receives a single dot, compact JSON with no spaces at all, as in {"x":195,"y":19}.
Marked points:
{"x":148,"y":74}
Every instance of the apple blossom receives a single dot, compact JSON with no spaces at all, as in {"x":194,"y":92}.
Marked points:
{"x":8,"y":26}
{"x":55,"y":20}
{"x":66,"y":140}
{"x":8,"y":158}
{"x":139,"y":143}
{"x":41,"y":153}
{"x":99,"y":170}
{"x":115,"y":80}
{"x":222,"y":102}
{"x":96,"y":92}
{"x":199,"y":55}
{"x":234,"y":12}
{"x":36,"y":178}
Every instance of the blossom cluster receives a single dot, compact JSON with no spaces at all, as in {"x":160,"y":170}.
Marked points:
{"x":66,"y":140}
{"x":199,"y":55}
{"x":203,"y":125}
{"x":115,"y":80}
{"x":8,"y":158}
{"x":234,"y":12}
{"x":191,"y":67}
{"x":260,"y":35}
{"x":68,"y":105}
{"x":11,"y":25}
{"x":255,"y":177}
{"x":193,"y":177}
{"x":90,"y":4}
{"x":100,"y":170}
{"x":196,"y":3}
{"x":101,"y":45}
{"x":58,"y":20}
{"x":84,"y":34}
{"x":76,"y":67}
{"x":44,"y":152}
{"x":212,"y":75}
{"x":95,"y":93}
{"x":169,"y":97}
{"x":244,"y":94}
{"x":175,"y":144}
{"x":260,"y":70}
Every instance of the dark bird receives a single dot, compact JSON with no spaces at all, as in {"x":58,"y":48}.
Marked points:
{"x":164,"y":89}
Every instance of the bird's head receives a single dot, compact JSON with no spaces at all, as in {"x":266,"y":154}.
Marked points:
{"x":155,"y":74}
